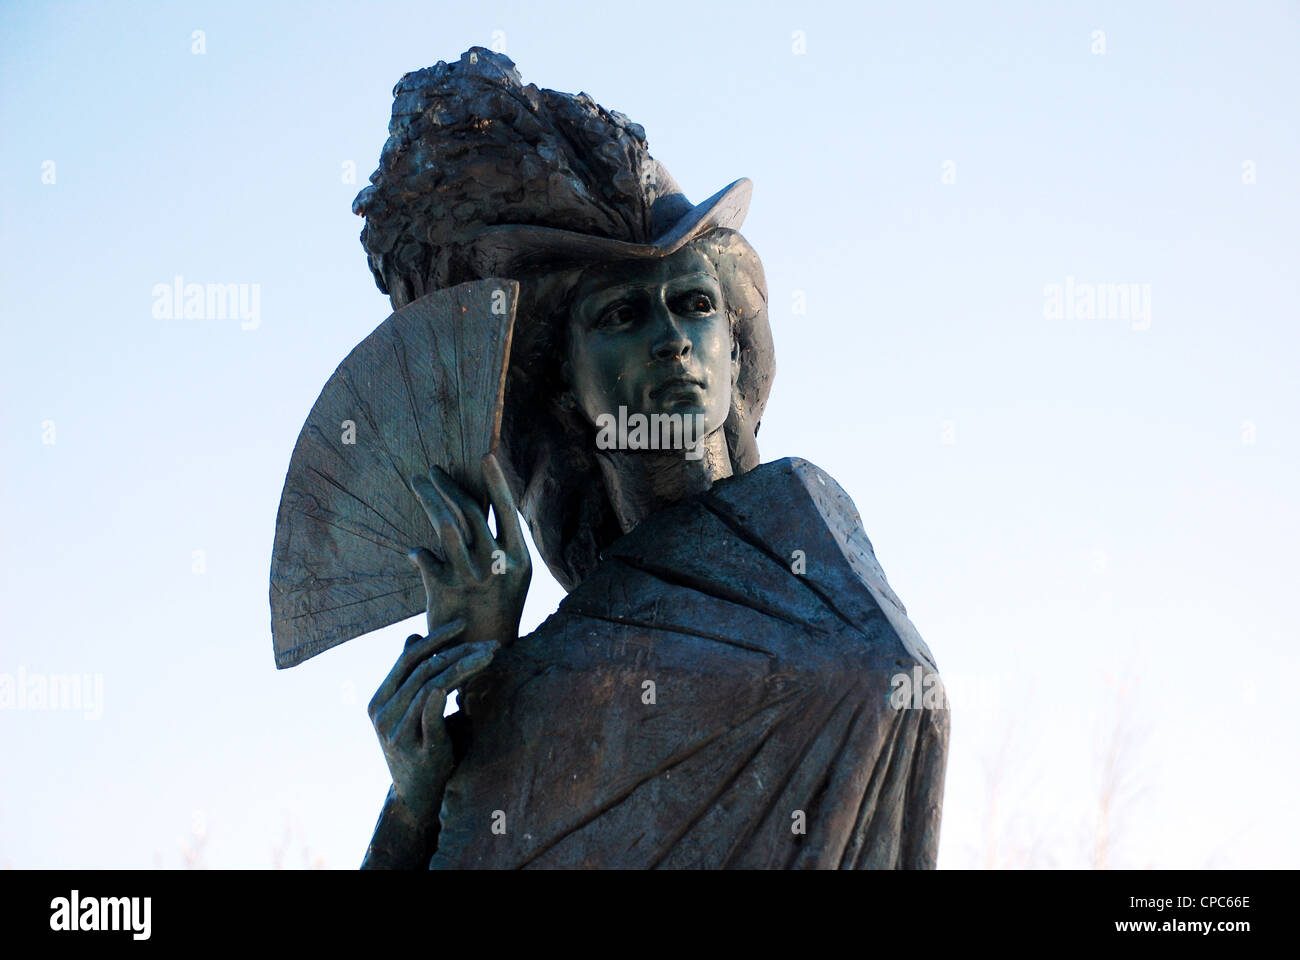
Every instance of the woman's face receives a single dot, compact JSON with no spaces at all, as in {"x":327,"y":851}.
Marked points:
{"x":652,"y":336}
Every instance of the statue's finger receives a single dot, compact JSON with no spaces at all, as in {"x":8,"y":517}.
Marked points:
{"x":430,"y":701}
{"x":392,"y":713}
{"x":435,"y":705}
{"x":472,"y":514}
{"x":509,"y":534}
{"x":449,"y":532}
{"x":387,"y":723}
{"x":427,"y":562}
{"x":477,"y":657}
{"x":412,"y":656}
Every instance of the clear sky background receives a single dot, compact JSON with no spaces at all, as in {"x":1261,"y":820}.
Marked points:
{"x":1092,"y":520}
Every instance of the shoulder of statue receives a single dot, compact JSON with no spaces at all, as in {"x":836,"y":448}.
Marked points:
{"x":791,"y":483}
{"x":793,"y":505}
{"x":766,"y":539}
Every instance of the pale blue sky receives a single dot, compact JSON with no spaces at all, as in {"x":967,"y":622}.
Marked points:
{"x":1056,"y":501}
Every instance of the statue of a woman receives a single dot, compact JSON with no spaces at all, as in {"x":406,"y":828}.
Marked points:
{"x":721,"y":686}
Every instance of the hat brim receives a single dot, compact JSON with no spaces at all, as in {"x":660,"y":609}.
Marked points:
{"x":503,"y":250}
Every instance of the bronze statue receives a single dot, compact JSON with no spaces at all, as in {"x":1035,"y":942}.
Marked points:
{"x":726,"y":683}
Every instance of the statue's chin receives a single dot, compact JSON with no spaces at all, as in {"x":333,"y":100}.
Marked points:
{"x":665,"y":425}
{"x":697,"y":421}
{"x":703,"y":413}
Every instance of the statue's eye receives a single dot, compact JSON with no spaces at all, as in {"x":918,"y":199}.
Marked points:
{"x":697,"y":301}
{"x":616,"y":315}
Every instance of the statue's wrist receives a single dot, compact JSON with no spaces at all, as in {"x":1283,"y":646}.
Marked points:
{"x":417,"y":808}
{"x":405,"y":835}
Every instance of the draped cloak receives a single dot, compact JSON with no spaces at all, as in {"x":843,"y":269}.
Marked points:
{"x":720,"y":692}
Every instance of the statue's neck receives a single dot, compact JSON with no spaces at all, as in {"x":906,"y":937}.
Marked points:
{"x":641,"y":482}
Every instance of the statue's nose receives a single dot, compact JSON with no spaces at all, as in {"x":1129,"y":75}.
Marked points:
{"x":670,"y":340}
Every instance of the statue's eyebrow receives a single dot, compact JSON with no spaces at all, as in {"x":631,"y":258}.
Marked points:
{"x":605,"y":286}
{"x":691,"y":277}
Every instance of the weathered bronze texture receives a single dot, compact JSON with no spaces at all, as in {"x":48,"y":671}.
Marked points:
{"x":731,"y":682}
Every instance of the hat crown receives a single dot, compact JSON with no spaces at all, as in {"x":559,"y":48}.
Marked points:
{"x":470,"y":146}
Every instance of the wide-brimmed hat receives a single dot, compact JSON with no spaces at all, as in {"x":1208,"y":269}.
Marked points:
{"x":507,"y":249}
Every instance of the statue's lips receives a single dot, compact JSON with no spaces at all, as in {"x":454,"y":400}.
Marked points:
{"x":676,"y":383}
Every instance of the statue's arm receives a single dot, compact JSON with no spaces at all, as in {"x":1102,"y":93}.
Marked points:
{"x":405,"y":838}
{"x":417,"y":743}
{"x":475,"y":598}
{"x":406,"y":835}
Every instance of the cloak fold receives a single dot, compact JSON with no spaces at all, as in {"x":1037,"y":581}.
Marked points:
{"x":695,"y":702}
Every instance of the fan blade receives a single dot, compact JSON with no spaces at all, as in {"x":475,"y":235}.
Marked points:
{"x":425,"y":388}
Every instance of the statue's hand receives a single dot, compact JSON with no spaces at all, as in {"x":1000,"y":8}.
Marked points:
{"x":481,"y":580}
{"x":407,"y":713}
{"x":475,"y":597}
